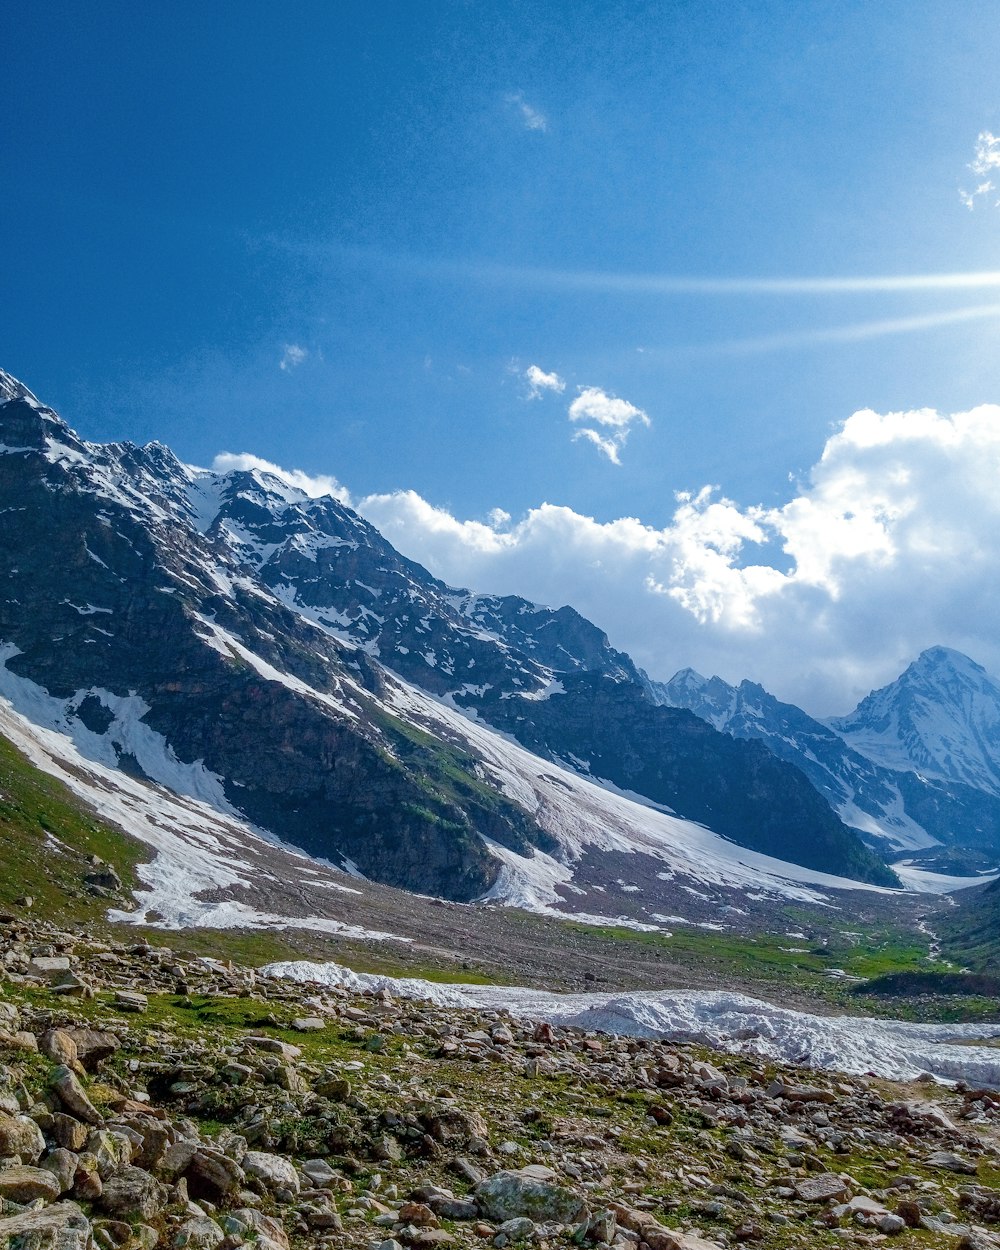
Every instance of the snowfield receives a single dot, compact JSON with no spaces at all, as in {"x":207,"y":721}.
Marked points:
{"x":894,"y":1049}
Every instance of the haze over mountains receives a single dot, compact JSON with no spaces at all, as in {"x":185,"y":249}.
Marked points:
{"x":273,"y":657}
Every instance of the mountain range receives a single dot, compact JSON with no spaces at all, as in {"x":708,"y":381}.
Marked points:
{"x":270,"y":656}
{"x":915,"y":765}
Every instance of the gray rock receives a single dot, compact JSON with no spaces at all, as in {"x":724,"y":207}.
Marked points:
{"x":510,"y":1195}
{"x":60,"y":1227}
{"x":821,"y":1188}
{"x":73,"y":1096}
{"x":213,"y":1175}
{"x":199,"y":1233}
{"x":951,"y":1162}
{"x":62,"y":1164}
{"x":132,"y":1194}
{"x":273,"y":1171}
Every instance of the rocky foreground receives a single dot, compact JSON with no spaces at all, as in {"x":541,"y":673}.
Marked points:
{"x":152,"y":1101}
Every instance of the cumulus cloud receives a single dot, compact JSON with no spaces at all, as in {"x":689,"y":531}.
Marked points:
{"x":313,"y":485}
{"x":985,"y":166}
{"x":890,"y":545}
{"x":292,"y":357}
{"x":538,"y":380}
{"x":616,"y":415}
{"x":531,"y":117}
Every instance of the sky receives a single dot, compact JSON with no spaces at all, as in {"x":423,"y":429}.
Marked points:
{"x":687,"y":314}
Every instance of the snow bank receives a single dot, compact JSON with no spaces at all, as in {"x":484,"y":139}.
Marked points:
{"x":894,"y":1049}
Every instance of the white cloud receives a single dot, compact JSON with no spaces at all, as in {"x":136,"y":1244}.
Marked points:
{"x":531,"y":117}
{"x":593,"y":404}
{"x":538,"y":380}
{"x":616,"y":415}
{"x":315,"y":486}
{"x":606,"y":446}
{"x":293,"y":356}
{"x":891,"y":545}
{"x":985,"y":164}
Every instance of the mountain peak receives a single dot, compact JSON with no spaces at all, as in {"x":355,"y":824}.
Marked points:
{"x":937,"y":658}
{"x":11,"y":389}
{"x":940,"y":718}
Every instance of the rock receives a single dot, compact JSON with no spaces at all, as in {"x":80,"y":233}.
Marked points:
{"x":199,"y":1233}
{"x":73,"y":1096}
{"x":62,"y":1164}
{"x":93,"y":1046}
{"x":131,"y":1000}
{"x":948,"y":1161}
{"x":308,"y":1024}
{"x":821,"y":1188}
{"x":69,"y":1132}
{"x":59,"y":1046}
{"x":319,"y":1173}
{"x":273,"y":1171}
{"x":62,"y":1226}
{"x":510,"y":1195}
{"x":132,"y":1194}
{"x":213,"y":1175}
{"x":111,"y":1150}
{"x":264,"y":1232}
{"x":20,"y":1138}
{"x":87,"y":1183}
{"x":452,"y":1126}
{"x":655,"y":1235}
{"x":890,"y":1224}
{"x":26,"y":1184}
{"x":519,"y":1229}
{"x":47,"y":967}
{"x":800,"y":1093}
{"x":273,"y":1046}
{"x":419,"y":1214}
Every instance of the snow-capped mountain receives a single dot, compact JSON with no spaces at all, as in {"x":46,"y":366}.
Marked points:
{"x":940,"y":718}
{"x":272,"y":656}
{"x":913,"y":766}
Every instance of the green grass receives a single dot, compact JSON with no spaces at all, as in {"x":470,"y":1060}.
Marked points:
{"x":36,"y":808}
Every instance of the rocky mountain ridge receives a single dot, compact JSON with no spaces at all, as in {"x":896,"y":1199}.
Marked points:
{"x":915,"y":764}
{"x":230,"y":636}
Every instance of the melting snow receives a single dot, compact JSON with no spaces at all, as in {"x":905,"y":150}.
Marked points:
{"x":893,"y":1049}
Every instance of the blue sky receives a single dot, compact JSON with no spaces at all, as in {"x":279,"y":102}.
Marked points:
{"x":408,"y":206}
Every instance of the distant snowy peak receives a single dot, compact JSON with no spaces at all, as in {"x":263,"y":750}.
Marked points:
{"x":940,"y":718}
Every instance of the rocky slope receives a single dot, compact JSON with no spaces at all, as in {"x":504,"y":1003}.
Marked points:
{"x":230,"y":638}
{"x":147,"y":1100}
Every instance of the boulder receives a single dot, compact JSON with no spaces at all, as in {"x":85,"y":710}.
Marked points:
{"x":26,"y":1184}
{"x":73,"y":1096}
{"x":511,"y":1195}
{"x":20,"y":1138}
{"x":60,"y":1227}
{"x":132,"y":1194}
{"x":821,"y":1188}
{"x":273,"y":1171}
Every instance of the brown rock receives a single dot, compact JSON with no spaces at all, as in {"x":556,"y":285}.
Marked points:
{"x":20,"y":1138}
{"x":25,"y":1184}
